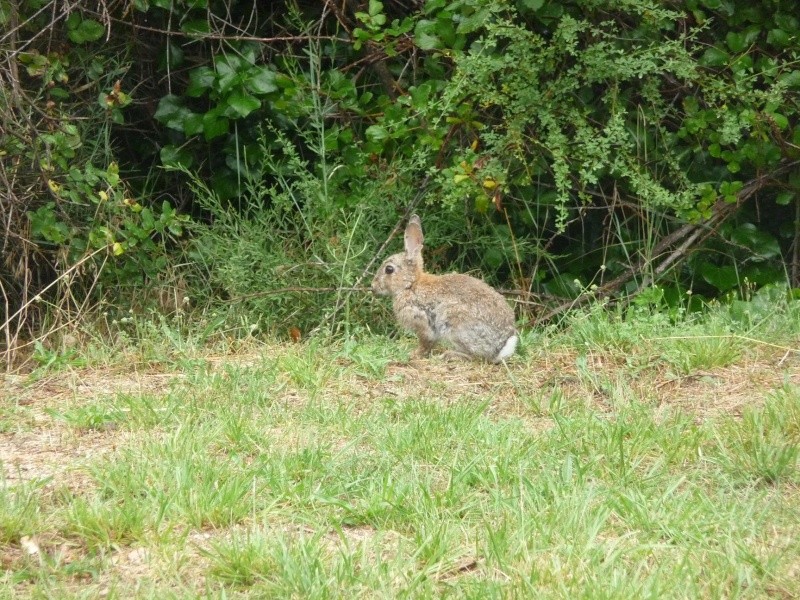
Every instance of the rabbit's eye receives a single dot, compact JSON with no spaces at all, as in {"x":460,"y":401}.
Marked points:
{"x":389,"y":269}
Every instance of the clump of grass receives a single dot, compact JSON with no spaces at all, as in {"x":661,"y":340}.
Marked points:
{"x":764,"y":445}
{"x":21,"y":512}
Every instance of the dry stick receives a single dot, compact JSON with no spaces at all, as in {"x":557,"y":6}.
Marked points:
{"x":688,"y":232}
{"x":8,"y":331}
{"x":727,"y":337}
{"x":238,"y":38}
{"x":357,"y":285}
{"x":296,"y":290}
{"x":680,"y":252}
{"x":51,"y":284}
{"x":409,"y":209}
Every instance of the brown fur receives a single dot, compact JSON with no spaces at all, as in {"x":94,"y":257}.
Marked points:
{"x":459,"y":310}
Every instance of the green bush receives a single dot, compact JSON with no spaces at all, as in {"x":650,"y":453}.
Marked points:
{"x":567,"y":145}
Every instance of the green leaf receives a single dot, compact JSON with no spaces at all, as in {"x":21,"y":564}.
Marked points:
{"x":171,"y":113}
{"x":790,"y":79}
{"x":193,"y":124}
{"x":84,"y":31}
{"x":243,"y":104}
{"x":714,"y":57}
{"x":779,"y":38}
{"x":760,"y":243}
{"x":473,"y":22}
{"x":737,"y":42}
{"x":200,"y":80}
{"x":197,"y":26}
{"x":261,"y":80}
{"x":112,"y":174}
{"x":787,"y":22}
{"x":781,"y":122}
{"x":173,"y":157}
{"x":723,"y":277}
{"x":230,"y":71}
{"x":784,"y":198}
{"x":214,"y":125}
{"x":533,"y":5}
{"x":425,"y":41}
{"x":376,"y":133}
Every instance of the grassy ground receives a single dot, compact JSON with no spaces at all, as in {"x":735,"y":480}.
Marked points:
{"x":612,"y":459}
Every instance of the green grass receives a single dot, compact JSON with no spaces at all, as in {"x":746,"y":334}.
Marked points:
{"x":614,"y":458}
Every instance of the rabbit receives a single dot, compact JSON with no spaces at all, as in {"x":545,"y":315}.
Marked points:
{"x":461,"y":311}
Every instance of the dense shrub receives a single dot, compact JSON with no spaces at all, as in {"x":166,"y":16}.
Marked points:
{"x":566,"y":145}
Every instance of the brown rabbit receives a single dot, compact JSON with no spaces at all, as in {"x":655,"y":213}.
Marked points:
{"x":456,"y":309}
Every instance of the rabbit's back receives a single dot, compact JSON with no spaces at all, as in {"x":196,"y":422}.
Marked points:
{"x":462,"y":311}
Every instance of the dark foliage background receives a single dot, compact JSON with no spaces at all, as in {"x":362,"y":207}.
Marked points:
{"x":253,"y":157}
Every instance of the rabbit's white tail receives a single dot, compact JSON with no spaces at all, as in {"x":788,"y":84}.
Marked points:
{"x":507,"y":349}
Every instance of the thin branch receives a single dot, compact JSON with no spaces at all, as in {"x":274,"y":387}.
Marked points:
{"x":238,"y":38}
{"x":406,"y":214}
{"x":297,"y":289}
{"x":687,"y":236}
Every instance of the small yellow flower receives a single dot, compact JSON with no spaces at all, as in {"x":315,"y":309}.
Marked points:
{"x":117,"y":249}
{"x":54,"y":187}
{"x":103,"y":196}
{"x":132,"y":204}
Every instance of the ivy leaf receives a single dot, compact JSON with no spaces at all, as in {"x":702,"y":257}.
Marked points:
{"x":737,"y":42}
{"x":262,"y":80}
{"x":193,"y":124}
{"x":533,"y":5}
{"x":200,"y":80}
{"x":171,"y":113}
{"x":778,"y":38}
{"x":376,"y":133}
{"x":230,"y":71}
{"x":173,"y":157}
{"x":473,"y":22}
{"x":791,"y":79}
{"x":714,"y":57}
{"x":760,"y":243}
{"x":214,"y":124}
{"x":723,"y":277}
{"x":425,"y":41}
{"x":243,"y":104}
{"x":82,"y":31}
{"x":197,"y":26}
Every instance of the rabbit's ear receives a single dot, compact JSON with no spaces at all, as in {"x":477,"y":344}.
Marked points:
{"x":413,"y":237}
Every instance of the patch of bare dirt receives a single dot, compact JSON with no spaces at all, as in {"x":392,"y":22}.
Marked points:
{"x":54,"y":454}
{"x":41,"y":447}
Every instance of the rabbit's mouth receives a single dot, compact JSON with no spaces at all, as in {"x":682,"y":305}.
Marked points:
{"x":379,"y":291}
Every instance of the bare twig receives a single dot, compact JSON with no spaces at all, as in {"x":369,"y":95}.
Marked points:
{"x":686,"y":236}
{"x":56,"y":281}
{"x":228,"y":38}
{"x":406,"y":214}
{"x":297,"y":289}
